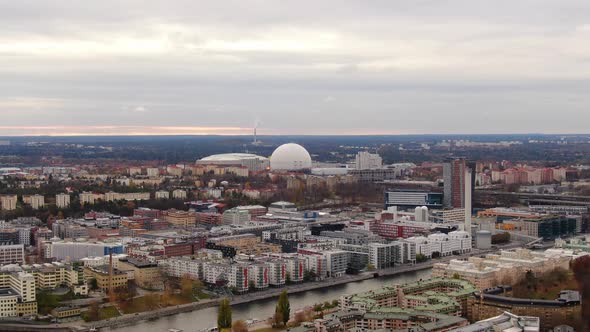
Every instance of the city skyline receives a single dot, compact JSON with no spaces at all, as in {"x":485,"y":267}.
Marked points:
{"x":335,"y":68}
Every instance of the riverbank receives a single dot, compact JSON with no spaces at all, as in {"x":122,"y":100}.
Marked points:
{"x":251,"y":297}
{"x":269,"y":294}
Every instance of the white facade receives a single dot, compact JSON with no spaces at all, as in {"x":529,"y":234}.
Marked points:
{"x":62,"y":200}
{"x":258,"y":275}
{"x":295,"y":268}
{"x":236,"y":217}
{"x":87,"y":198}
{"x":162,"y":194}
{"x":179,"y":194}
{"x":153,"y":172}
{"x":37,"y":201}
{"x":277,"y":272}
{"x":24,"y":236}
{"x":184,"y":266}
{"x":366,"y":160}
{"x":8,"y":202}
{"x":76,"y":250}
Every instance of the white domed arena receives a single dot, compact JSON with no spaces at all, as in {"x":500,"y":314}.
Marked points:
{"x":290,"y":157}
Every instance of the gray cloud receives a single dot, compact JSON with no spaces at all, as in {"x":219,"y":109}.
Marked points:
{"x":300,"y":67}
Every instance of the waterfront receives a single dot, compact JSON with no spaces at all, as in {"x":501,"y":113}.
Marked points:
{"x":262,"y":309}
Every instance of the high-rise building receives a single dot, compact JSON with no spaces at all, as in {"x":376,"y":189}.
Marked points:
{"x":62,"y":200}
{"x":366,"y":160}
{"x":454,"y":183}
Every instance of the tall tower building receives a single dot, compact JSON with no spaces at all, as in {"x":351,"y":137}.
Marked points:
{"x":454,"y":179}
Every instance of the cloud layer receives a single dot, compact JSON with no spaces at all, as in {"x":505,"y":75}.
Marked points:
{"x":304,"y":67}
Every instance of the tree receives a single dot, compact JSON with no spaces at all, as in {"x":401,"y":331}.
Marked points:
{"x":288,"y":278}
{"x":93,"y":284}
{"x":239,"y":326}
{"x":370,"y":267}
{"x":224,"y":315}
{"x":421,"y":258}
{"x":283,"y":307}
{"x":186,"y":286}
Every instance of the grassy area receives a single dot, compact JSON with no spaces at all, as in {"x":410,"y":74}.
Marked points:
{"x":104,"y":313}
{"x":203,"y":296}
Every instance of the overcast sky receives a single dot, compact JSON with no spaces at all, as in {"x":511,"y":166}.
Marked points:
{"x":294,"y":67}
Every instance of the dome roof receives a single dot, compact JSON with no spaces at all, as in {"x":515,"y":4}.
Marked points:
{"x":232,"y":157}
{"x":290,"y":157}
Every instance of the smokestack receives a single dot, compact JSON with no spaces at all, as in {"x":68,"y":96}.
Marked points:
{"x":111,"y":275}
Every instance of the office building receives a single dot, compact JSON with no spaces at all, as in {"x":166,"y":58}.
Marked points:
{"x":12,"y":254}
{"x":118,"y":280}
{"x":454,"y":183}
{"x":180,"y":218}
{"x":17,"y":292}
{"x":410,"y":199}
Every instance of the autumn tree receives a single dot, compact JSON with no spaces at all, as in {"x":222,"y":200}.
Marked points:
{"x":239,"y":326}
{"x":224,"y":315}
{"x":283,"y":307}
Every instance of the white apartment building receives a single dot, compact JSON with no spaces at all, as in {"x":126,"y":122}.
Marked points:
{"x":464,"y":240}
{"x":162,"y":194}
{"x":423,"y":245}
{"x":24,"y":236}
{"x":134,"y":171}
{"x":381,"y":255}
{"x":139,"y":196}
{"x":87,"y":198}
{"x":184,"y":266}
{"x":214,"y":272}
{"x":179,"y":194}
{"x":336,"y":262}
{"x":295,"y":268}
{"x":37,"y":201}
{"x":8,"y":202}
{"x":366,"y":160}
{"x":12,"y":254}
{"x":153,"y":172}
{"x":62,"y":200}
{"x":258,"y":275}
{"x":277,"y":272}
{"x":238,"y":277}
{"x":236,"y":217}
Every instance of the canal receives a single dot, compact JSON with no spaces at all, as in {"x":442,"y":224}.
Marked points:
{"x":262,"y":309}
